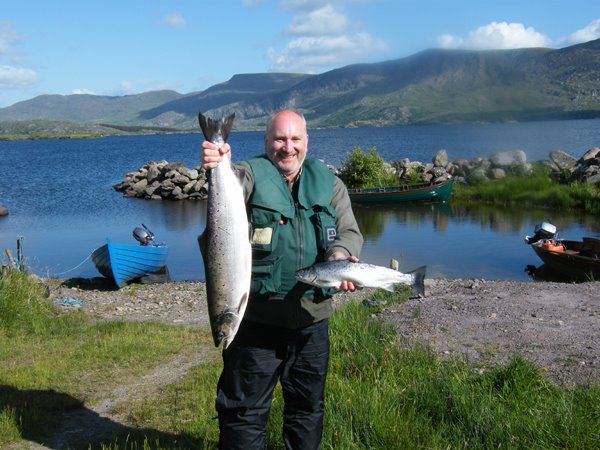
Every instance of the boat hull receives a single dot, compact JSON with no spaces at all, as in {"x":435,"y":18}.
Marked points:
{"x":124,"y":263}
{"x":415,"y":193}
{"x":579,"y":260}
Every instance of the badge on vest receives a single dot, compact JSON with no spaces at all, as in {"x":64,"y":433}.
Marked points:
{"x":331,"y":234}
{"x":262,"y":236}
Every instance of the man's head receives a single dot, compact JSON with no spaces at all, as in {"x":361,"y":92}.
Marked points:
{"x":286,"y":142}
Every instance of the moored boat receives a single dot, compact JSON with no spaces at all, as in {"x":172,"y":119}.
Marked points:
{"x":125,"y":262}
{"x":433,"y":192}
{"x":578,"y":260}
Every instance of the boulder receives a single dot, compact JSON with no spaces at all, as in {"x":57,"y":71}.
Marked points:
{"x":563,"y":161}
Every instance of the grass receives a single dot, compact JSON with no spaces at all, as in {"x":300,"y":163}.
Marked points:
{"x":381,"y":394}
{"x":535,"y":190}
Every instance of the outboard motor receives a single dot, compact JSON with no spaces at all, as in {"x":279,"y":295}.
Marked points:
{"x":544,"y":230}
{"x":143,"y":235}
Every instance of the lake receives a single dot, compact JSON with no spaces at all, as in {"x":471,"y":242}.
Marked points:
{"x":60,"y":198}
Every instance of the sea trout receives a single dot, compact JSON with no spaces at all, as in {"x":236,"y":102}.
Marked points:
{"x":225,"y":242}
{"x":331,"y":273}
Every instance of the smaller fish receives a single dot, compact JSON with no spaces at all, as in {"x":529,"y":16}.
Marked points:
{"x":331,"y":273}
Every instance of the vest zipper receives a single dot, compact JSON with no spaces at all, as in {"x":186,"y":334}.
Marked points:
{"x":300,"y":260}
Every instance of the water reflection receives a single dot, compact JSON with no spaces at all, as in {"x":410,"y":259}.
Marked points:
{"x":178,"y":216}
{"x":452,"y":241}
{"x":372,"y":218}
{"x":518,"y":220}
{"x":460,"y":241}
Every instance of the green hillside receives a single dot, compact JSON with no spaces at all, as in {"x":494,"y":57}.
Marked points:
{"x":433,"y":86}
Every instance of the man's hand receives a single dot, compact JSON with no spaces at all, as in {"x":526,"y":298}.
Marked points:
{"x":344,"y":285}
{"x":212,"y":154}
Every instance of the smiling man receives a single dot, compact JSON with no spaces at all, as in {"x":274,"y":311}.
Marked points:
{"x":300,"y":214}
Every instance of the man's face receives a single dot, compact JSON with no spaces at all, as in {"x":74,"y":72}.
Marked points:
{"x":286,"y":143}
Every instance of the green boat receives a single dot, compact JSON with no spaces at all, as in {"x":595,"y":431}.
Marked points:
{"x":431,"y":192}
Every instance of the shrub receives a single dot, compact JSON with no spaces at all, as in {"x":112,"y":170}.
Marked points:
{"x":364,"y":170}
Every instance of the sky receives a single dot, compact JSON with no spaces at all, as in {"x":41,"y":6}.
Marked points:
{"x":122,"y":47}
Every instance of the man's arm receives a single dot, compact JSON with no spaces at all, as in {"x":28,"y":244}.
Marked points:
{"x":348,"y":240}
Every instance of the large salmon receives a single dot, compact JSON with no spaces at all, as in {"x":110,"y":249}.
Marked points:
{"x":225,"y":243}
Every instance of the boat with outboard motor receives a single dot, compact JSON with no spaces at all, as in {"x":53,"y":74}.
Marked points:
{"x":124,"y":262}
{"x":578,"y":260}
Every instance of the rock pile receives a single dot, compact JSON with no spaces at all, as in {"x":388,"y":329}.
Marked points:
{"x":562,"y":167}
{"x":585,"y":169}
{"x":164,"y":180}
{"x":174,"y":181}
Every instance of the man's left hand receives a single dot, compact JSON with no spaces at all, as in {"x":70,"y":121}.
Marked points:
{"x":345,"y":285}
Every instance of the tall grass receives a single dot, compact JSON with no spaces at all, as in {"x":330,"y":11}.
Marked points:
{"x":22,"y":308}
{"x":381,"y":392}
{"x":537,"y":190}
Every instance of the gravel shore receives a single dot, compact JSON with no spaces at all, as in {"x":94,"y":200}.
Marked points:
{"x":554,"y":325}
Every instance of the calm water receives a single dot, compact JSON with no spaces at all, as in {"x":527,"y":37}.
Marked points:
{"x":60,"y":198}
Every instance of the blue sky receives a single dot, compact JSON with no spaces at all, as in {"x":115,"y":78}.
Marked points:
{"x":120,"y":47}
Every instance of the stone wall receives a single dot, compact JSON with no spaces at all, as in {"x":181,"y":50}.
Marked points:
{"x":174,"y":181}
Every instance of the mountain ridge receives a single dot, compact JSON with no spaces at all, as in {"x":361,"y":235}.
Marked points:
{"x":431,"y":86}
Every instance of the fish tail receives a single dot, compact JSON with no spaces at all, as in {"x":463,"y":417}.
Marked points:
{"x":419,"y":280}
{"x":216,"y":130}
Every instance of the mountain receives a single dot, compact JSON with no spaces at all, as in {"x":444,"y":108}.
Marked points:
{"x":433,"y":86}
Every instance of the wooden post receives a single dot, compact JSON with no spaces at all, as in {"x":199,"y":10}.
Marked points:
{"x":20,"y":261}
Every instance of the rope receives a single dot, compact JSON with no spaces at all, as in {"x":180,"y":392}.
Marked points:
{"x":78,"y":265}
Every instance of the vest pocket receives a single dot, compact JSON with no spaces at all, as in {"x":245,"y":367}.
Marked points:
{"x":266,"y":276}
{"x":265,"y":231}
{"x":324,"y":222}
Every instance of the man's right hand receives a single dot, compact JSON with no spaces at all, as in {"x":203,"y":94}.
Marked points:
{"x":212,"y":154}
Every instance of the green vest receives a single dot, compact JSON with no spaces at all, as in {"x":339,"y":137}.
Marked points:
{"x":288,"y":234}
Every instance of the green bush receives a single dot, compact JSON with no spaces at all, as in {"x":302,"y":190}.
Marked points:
{"x":366,"y":170}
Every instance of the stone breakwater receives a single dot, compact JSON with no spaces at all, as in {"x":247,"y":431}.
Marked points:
{"x":174,"y":181}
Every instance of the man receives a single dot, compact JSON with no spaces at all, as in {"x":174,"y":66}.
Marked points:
{"x":300,"y":214}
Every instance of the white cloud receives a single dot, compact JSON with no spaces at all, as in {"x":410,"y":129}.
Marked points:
{"x":313,"y":54}
{"x":16,"y":77}
{"x":8,"y":37}
{"x":83,"y":92}
{"x":175,"y":20}
{"x":589,"y":33}
{"x":497,"y":35}
{"x":321,"y":37}
{"x":11,"y":75}
{"x":322,"y":21}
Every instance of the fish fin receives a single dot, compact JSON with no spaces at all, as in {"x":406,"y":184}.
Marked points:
{"x":202,"y":244}
{"x":216,"y":129}
{"x":419,"y":280}
{"x":242,"y":307}
{"x":390,"y":287}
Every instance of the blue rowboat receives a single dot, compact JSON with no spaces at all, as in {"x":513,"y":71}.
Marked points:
{"x":124,"y":263}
